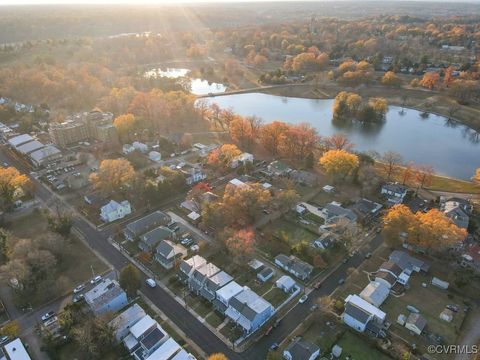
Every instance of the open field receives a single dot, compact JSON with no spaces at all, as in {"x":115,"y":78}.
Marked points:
{"x":293,"y":233}
{"x":354,"y":347}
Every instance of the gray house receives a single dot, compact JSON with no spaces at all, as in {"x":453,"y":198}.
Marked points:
{"x":187,"y":267}
{"x":151,"y":239}
{"x":168,"y":254}
{"x":334,"y":211}
{"x":139,"y":227}
{"x":294,"y":266}
{"x":214,"y":283}
{"x":200,"y":276}
{"x":301,"y":349}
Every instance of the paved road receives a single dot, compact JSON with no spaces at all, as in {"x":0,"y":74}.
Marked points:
{"x":194,"y":329}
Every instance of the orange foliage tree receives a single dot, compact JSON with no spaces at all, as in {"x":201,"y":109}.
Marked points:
{"x":125,"y":124}
{"x":241,"y":244}
{"x":339,"y":163}
{"x":113,"y":175}
{"x":223,"y":156}
{"x":271,"y":135}
{"x":299,"y":142}
{"x":430,"y":80}
{"x":391,"y":79}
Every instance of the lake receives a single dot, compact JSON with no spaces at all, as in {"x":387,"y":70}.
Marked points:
{"x":451,"y":148}
{"x":197,"y":86}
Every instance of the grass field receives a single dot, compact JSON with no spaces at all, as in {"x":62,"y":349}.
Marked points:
{"x":215,"y":319}
{"x":357,"y":348}
{"x":291,"y":231}
{"x":276,"y":297}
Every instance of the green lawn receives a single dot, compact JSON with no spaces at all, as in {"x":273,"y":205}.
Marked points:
{"x":294,"y":233}
{"x":357,"y":348}
{"x":276,"y":297}
{"x":314,"y":218}
{"x":215,"y":319}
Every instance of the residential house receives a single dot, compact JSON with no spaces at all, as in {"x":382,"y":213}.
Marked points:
{"x":115,"y":210}
{"x":166,"y":351}
{"x":200,"y":276}
{"x":187,"y":267}
{"x":416,"y":323}
{"x":329,"y":189}
{"x":193,"y":175}
{"x":242,"y":160}
{"x":190,"y":205}
{"x":366,"y":210}
{"x":143,"y":148}
{"x":144,"y":338}
{"x":375,"y":293}
{"x":417,"y":204}
{"x":238,"y":183}
{"x":138,"y":227}
{"x":334,"y":212}
{"x":123,"y":322}
{"x":458,"y":210}
{"x":96,"y":200}
{"x":248,"y":310}
{"x":302,"y":177}
{"x":14,"y":350}
{"x":127,"y":149}
{"x":278,"y":168}
{"x":107,"y":296}
{"x":151,"y":239}
{"x":301,"y":349}
{"x":265,"y":274}
{"x":168,"y":254}
{"x":214,"y":283}
{"x":294,"y":266}
{"x":286,"y":283}
{"x":225,"y":294}
{"x":155,"y":156}
{"x":408,"y":263}
{"x":385,"y":278}
{"x":325,"y":240}
{"x":446,"y":315}
{"x":363,"y":316}
{"x":394,"y":192}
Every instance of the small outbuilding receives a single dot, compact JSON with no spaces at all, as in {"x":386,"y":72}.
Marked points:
{"x":266,"y":274}
{"x":286,"y":283}
{"x":416,"y":323}
{"x":446,"y":315}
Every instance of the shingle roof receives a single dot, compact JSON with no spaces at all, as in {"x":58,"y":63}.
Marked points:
{"x":156,"y":235}
{"x":418,"y":320}
{"x":249,"y":304}
{"x":392,"y":267}
{"x":301,"y":349}
{"x":141,"y":226}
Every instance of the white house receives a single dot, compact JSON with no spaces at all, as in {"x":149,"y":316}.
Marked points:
{"x":224,"y":294}
{"x":114,"y":211}
{"x":155,"y":156}
{"x":286,"y":283}
{"x":242,"y":159}
{"x":143,"y":148}
{"x":128,"y":149}
{"x":14,"y":350}
{"x":361,"y":315}
{"x":375,"y":293}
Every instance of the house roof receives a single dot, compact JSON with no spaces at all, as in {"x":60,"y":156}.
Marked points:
{"x":166,"y":351}
{"x":127,"y":318}
{"x":183,"y":355}
{"x":386,"y":276}
{"x":44,"y":153}
{"x":218,"y":280}
{"x":16,"y":351}
{"x":457,"y":214}
{"x":375,"y":293}
{"x":147,"y":223}
{"x":142,"y":326}
{"x":295,"y":264}
{"x":103,"y":293}
{"x":285,"y":282}
{"x":405,"y":261}
{"x":395,"y":188}
{"x":249,"y":304}
{"x":238,"y":183}
{"x":392,"y":267}
{"x":196,"y":261}
{"x":203,"y":272}
{"x":230,"y":290}
{"x":190,"y":205}
{"x":357,"y":313}
{"x":266,"y":272}
{"x":301,"y":349}
{"x":153,"y":337}
{"x":366,"y":207}
{"x":156,"y":235}
{"x":418,"y":320}
{"x":255,"y":264}
{"x":114,"y":206}
{"x":358,"y":302}
{"x":168,"y":249}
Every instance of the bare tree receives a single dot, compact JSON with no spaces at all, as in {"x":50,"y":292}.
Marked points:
{"x":391,"y":160}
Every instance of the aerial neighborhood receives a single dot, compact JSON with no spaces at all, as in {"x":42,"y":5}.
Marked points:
{"x":187,"y":181}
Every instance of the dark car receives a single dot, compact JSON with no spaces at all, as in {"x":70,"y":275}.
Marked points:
{"x":274,"y":347}
{"x":48,"y":315}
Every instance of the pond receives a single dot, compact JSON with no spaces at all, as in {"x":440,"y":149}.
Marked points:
{"x":197,"y":86}
{"x":451,"y":148}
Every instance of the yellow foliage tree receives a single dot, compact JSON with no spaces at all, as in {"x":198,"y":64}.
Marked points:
{"x":11,"y":180}
{"x":391,"y":79}
{"x":11,"y":329}
{"x":339,"y":163}
{"x":125,"y":124}
{"x":223,"y":156}
{"x":217,"y":356}
{"x":113,"y":175}
{"x":477,"y":176}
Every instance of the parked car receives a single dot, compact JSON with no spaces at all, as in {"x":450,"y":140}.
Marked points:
{"x":48,"y":315}
{"x":187,"y":242}
{"x":317,"y":285}
{"x":303,"y":299}
{"x":274,"y":347}
{"x":96,"y":280}
{"x":277,"y":322}
{"x":79,"y":288}
{"x":151,"y":283}
{"x":3,"y":339}
{"x":454,"y":308}
{"x":78,"y":298}
{"x":313,"y":307}
{"x":368,"y":255}
{"x":195,"y":248}
{"x":341,"y":281}
{"x":345,"y":260}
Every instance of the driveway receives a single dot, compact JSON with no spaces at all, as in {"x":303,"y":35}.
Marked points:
{"x":189,"y":226}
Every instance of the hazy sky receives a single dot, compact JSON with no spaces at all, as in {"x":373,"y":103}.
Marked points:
{"x":39,"y":2}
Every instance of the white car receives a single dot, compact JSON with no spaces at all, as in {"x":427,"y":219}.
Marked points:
{"x":151,"y":283}
{"x":48,"y":315}
{"x":195,"y":248}
{"x":303,"y":299}
{"x":79,"y":288}
{"x":96,"y":279}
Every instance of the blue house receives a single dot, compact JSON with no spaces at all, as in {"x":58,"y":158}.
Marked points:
{"x":248,"y":310}
{"x":107,"y":296}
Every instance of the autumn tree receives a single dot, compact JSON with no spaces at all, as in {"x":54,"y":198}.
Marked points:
{"x":309,"y":61}
{"x":113,"y":175}
{"x":339,"y":163}
{"x":11,"y":329}
{"x":423,"y":175}
{"x":271,"y":136}
{"x":390,"y":161}
{"x":286,"y":199}
{"x":243,"y":132}
{"x":476,"y":177}
{"x":125,"y":124}
{"x":299,"y":142}
{"x":398,"y":221}
{"x":11,"y":181}
{"x":391,"y":79}
{"x":217,"y":356}
{"x":338,"y":142}
{"x":223,"y":156}
{"x":241,"y":244}
{"x":430,"y":80}
{"x":448,"y":77}
{"x":130,"y":280}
